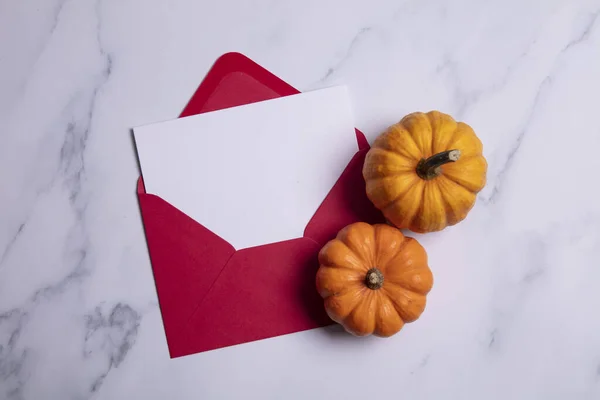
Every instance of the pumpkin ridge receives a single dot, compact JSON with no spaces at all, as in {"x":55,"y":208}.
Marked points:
{"x":355,"y":283}
{"x":393,"y":175}
{"x":421,"y":288}
{"x":468,"y":157}
{"x":432,"y":132}
{"x":355,"y":255}
{"x":349,"y":268}
{"x":353,"y":301}
{"x":364,"y":305}
{"x":416,"y":264}
{"x":411,"y":138}
{"x":375,"y":304}
{"x":398,"y":162}
{"x":384,"y":298}
{"x":381,"y":144}
{"x":410,"y":192}
{"x":419,"y":210}
{"x":411,"y":134}
{"x":398,"y":155}
{"x":398,"y":197}
{"x":404,"y":314}
{"x":451,"y":140}
{"x":401,"y":286}
{"x":447,"y":208}
{"x":358,"y":299}
{"x":451,"y":178}
{"x":442,"y":135}
{"x":469,"y":132}
{"x":323,"y":257}
{"x":342,"y":292}
{"x":433,"y":188}
{"x":400,"y":248}
{"x":444,"y":190}
{"x":365,"y":263}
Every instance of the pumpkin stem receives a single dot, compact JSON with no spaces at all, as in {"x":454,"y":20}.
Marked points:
{"x":374,"y":279}
{"x":431,"y":167}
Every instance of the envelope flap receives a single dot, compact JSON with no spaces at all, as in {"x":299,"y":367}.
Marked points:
{"x":263,"y":292}
{"x":186,"y":257}
{"x":234,"y":73}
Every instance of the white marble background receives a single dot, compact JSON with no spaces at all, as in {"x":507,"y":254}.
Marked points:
{"x":514,"y":311}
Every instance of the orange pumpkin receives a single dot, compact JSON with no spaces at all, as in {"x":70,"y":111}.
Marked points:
{"x":373,"y":279}
{"x":425,"y":171}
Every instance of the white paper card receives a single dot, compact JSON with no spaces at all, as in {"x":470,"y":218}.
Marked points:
{"x":253,"y":174}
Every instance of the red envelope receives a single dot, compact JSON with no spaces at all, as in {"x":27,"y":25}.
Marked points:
{"x":211,"y":295}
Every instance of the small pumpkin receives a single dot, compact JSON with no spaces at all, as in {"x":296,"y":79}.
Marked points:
{"x":425,"y":171}
{"x":373,"y":279}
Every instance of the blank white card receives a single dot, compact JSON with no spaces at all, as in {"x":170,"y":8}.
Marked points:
{"x":253,"y":174}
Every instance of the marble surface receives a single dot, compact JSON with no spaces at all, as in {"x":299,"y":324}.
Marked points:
{"x":514,"y":310}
